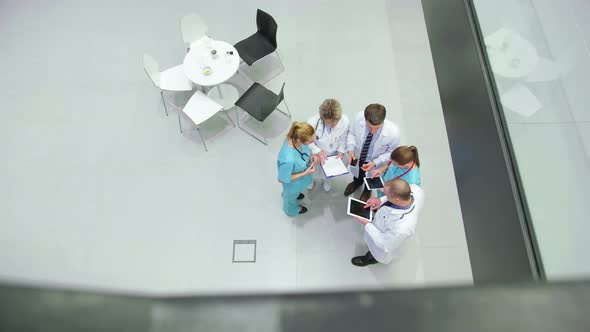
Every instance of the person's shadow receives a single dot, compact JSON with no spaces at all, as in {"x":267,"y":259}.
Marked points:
{"x":406,"y":269}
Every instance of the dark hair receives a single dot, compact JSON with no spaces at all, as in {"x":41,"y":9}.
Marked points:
{"x":375,"y":114}
{"x":405,"y":154}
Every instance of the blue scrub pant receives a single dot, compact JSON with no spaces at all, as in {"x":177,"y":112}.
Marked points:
{"x":290,"y":204}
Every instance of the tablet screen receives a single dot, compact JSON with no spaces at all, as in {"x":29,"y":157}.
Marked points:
{"x":374,"y":183}
{"x":356,"y":208}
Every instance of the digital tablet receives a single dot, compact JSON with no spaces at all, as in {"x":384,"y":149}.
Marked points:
{"x":374,"y":183}
{"x":356,"y":209}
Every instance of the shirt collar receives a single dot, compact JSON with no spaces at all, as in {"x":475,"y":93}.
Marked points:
{"x":397,"y":207}
{"x":377,"y":134}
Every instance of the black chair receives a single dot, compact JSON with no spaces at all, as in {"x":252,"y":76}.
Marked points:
{"x":261,"y":43}
{"x":259,"y":102}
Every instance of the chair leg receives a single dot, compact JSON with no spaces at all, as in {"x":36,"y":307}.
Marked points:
{"x":246,"y":131}
{"x":228,"y":117}
{"x":179,"y":123}
{"x":263,"y":140}
{"x":285,"y":113}
{"x":288,"y":113}
{"x":244,"y":76}
{"x":202,"y":139}
{"x":280,"y":59}
{"x":164,"y":102}
{"x":287,"y":106}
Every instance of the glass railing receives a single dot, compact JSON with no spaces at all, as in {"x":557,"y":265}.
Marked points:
{"x":522,"y":307}
{"x":539,"y":55}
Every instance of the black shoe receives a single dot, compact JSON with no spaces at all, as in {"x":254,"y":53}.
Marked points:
{"x":350,"y":188}
{"x":301,"y":196}
{"x":365,"y":260}
{"x":302,"y":209}
{"x":365,"y":195}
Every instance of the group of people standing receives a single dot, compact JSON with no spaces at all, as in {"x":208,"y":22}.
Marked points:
{"x":370,"y":146}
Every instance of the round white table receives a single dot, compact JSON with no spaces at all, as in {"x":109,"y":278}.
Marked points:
{"x":222,"y":68}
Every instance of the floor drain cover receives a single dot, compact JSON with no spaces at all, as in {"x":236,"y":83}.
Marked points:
{"x":244,"y":251}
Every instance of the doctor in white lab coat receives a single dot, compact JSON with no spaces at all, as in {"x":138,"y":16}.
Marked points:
{"x":331,"y":128}
{"x":394,"y":222}
{"x":371,"y":139}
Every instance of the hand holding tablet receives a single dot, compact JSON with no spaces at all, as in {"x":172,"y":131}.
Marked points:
{"x":374,"y":183}
{"x":356,"y":208}
{"x":373,"y":203}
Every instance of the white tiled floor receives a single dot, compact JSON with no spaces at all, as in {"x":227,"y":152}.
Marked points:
{"x":103,"y":192}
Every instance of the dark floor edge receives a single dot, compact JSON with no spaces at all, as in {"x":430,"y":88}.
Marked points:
{"x":514,"y":307}
{"x":498,"y":239}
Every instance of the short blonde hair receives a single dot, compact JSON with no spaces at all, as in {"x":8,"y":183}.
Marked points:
{"x":331,"y":109}
{"x":302,"y":131}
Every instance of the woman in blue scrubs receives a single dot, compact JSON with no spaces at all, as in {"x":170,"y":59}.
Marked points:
{"x":404,"y":165}
{"x":296,"y":166}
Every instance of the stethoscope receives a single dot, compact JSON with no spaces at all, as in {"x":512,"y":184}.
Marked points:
{"x":333,"y":141}
{"x":404,"y":214}
{"x":323,"y":128}
{"x":300,"y":153}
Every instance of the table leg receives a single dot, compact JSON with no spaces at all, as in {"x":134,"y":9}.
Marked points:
{"x":219,"y":91}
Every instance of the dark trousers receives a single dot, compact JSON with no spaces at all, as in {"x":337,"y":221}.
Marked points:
{"x":360,"y":180}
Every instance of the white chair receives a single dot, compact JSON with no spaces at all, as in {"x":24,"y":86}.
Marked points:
{"x":199,"y":109}
{"x":192,"y":28}
{"x":172,"y":79}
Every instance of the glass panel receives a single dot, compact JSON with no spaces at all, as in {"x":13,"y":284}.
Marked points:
{"x":539,"y":54}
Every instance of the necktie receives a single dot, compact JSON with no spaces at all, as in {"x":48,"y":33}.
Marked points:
{"x":365,"y":149}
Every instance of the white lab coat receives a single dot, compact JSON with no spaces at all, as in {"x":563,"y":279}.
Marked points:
{"x":332,"y":142}
{"x":391,"y":227}
{"x":382,"y":148}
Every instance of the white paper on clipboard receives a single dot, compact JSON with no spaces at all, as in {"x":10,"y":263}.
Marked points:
{"x":334,"y":167}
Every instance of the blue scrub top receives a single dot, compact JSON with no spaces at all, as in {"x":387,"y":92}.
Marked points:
{"x":412,"y":177}
{"x":289,"y":163}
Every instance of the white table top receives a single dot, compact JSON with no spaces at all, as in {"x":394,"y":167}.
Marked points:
{"x":510,"y":54}
{"x":222,"y":68}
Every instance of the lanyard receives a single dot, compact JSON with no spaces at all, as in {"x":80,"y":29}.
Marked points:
{"x":404,"y":173}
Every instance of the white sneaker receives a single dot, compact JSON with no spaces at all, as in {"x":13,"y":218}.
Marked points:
{"x":310,"y":187}
{"x":327,"y":186}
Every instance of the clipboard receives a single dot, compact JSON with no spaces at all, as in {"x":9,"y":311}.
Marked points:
{"x":333,"y":167}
